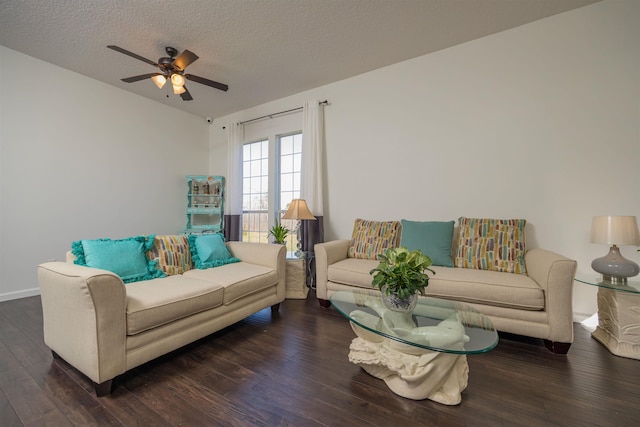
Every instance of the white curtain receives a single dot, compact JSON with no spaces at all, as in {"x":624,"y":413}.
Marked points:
{"x":233,"y":187}
{"x":311,"y":186}
{"x":312,"y":178}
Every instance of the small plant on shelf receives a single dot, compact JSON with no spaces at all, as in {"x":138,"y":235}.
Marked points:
{"x":279,"y":233}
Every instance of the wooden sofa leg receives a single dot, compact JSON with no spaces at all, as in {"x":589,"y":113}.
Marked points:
{"x":101,"y":389}
{"x":557,"y":347}
{"x":324,"y":302}
{"x":275,"y":308}
{"x":104,"y":388}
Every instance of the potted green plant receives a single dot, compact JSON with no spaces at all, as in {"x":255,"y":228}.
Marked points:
{"x":401,"y":276}
{"x":279,"y":233}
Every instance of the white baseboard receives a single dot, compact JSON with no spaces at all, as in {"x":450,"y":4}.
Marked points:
{"x":590,"y":323}
{"x":8,"y":296}
{"x":581,"y":317}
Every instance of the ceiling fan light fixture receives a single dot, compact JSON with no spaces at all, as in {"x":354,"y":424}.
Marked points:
{"x":159,"y":80}
{"x":170,"y":67}
{"x":177,"y":80}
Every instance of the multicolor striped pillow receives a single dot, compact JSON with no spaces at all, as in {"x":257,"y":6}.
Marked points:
{"x":371,"y":238}
{"x":491,"y":244}
{"x":172,"y":253}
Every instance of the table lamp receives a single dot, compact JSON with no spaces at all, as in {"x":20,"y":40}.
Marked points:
{"x":298,"y":210}
{"x":614,"y":231}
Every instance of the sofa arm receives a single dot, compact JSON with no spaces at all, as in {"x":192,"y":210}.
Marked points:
{"x":326,"y":254}
{"x":266,"y":254}
{"x":84,"y":318}
{"x":554,"y":274}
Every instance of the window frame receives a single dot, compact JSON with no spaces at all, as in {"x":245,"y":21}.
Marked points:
{"x":246,"y":228}
{"x":274,"y":136}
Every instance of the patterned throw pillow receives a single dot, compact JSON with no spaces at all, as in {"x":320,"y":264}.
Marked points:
{"x":371,"y":238}
{"x":172,"y":254}
{"x":491,"y":244}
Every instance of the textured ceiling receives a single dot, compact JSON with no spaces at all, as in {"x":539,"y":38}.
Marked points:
{"x":264,"y":50}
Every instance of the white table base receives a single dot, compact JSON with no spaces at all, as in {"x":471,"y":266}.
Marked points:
{"x":295,"y":281}
{"x":619,"y":322}
{"x":433,"y":375}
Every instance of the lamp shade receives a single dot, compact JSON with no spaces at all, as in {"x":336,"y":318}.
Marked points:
{"x":177,"y":80}
{"x":159,"y":80}
{"x":178,"y":89}
{"x":298,"y":210}
{"x":615,"y":230}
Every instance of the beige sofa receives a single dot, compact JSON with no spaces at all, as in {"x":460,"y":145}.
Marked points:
{"x":537,"y":304}
{"x":104,"y":328}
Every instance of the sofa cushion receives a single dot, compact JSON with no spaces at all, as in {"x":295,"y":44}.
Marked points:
{"x":351,"y":271}
{"x":152,"y":303}
{"x":491,"y":244}
{"x":238,"y":279}
{"x":433,"y":238}
{"x":468,"y":285}
{"x":371,"y":238}
{"x":172,"y":254}
{"x":125,"y":257}
{"x":494,"y":288}
{"x":209,"y":250}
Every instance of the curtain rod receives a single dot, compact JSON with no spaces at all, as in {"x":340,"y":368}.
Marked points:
{"x":270,"y":116}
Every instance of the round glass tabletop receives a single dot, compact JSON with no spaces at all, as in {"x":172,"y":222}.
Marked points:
{"x":435,"y":324}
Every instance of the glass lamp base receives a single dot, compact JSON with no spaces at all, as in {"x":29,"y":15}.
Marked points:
{"x":299,"y":245}
{"x":614,"y":267}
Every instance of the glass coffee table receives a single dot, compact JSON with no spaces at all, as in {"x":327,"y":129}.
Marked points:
{"x":618,"y":315}
{"x":421,"y":354}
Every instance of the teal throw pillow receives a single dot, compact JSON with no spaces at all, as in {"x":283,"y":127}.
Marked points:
{"x":124,"y":257}
{"x":209,"y":250}
{"x":433,"y":238}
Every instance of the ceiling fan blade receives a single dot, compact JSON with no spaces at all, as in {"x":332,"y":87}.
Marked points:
{"x":133,"y":55}
{"x":207,"y":82}
{"x":140,"y":77}
{"x":185,"y":58}
{"x":186,"y":96}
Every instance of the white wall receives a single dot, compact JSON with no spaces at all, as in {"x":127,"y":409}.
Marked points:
{"x":81,"y":159}
{"x":540,"y":122}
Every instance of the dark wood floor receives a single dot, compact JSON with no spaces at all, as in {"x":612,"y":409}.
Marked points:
{"x":292,"y":369}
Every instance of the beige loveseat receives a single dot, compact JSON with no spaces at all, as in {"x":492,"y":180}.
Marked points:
{"x":104,"y":327}
{"x":537,"y":304}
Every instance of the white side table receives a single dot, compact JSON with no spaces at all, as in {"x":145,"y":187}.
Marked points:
{"x":618,"y":316}
{"x":296,"y":276}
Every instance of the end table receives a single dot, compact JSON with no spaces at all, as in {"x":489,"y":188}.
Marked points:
{"x":618,"y":316}
{"x":298,"y":274}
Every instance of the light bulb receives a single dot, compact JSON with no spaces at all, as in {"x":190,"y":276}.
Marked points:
{"x":159,"y":80}
{"x":177,"y":80}
{"x":178,"y":89}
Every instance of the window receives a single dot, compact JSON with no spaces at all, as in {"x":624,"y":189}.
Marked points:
{"x":262,"y":205}
{"x":255,"y":191}
{"x":290,"y":167}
